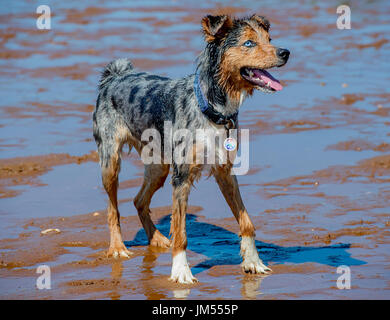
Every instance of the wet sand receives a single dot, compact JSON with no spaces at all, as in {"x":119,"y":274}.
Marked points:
{"x":318,"y":188}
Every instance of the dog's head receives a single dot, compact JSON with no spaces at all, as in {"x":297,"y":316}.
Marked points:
{"x":244,"y":51}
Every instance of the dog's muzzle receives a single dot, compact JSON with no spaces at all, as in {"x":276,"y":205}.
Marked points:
{"x":283,"y":55}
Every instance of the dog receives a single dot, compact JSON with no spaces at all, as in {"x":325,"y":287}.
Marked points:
{"x":232,"y":65}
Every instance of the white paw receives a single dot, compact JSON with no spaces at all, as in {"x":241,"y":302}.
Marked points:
{"x":256,"y":267}
{"x":251,"y":261}
{"x":119,"y":253}
{"x":181,"y":272}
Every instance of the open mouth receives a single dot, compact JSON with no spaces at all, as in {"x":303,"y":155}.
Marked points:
{"x":262,"y":79}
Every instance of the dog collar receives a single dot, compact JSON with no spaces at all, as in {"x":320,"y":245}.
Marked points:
{"x":218,"y":118}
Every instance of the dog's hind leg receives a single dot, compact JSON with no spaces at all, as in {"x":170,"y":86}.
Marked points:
{"x":230,"y":190}
{"x":110,"y":182}
{"x":110,"y":144}
{"x":154,"y":178}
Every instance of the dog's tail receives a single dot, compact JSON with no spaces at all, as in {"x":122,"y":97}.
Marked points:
{"x":115,"y":68}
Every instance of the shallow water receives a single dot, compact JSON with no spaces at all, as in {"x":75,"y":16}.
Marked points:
{"x":318,"y":188}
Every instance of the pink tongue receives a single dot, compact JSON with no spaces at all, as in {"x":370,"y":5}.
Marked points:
{"x":267,"y":78}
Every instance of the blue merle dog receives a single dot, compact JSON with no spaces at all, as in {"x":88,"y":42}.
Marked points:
{"x":231,"y":66}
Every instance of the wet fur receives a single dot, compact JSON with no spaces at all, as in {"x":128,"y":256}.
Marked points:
{"x":130,"y":101}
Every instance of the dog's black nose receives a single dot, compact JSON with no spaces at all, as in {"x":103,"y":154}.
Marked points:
{"x":283,"y":53}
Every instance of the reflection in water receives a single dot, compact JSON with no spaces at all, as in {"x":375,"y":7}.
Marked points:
{"x":150,"y":290}
{"x":146,"y":274}
{"x":221,"y":247}
{"x":325,"y":104}
{"x":250,"y":286}
{"x":116,"y":269}
{"x":181,"y":293}
{"x":116,"y":274}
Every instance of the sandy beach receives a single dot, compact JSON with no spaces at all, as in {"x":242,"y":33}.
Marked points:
{"x":318,"y":188}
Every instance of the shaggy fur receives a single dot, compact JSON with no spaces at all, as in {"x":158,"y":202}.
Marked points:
{"x":131,"y":101}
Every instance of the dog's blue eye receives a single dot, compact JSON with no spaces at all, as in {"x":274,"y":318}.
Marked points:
{"x":249,"y":43}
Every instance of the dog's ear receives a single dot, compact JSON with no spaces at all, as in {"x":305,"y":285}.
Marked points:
{"x":215,"y":27}
{"x":261,"y":21}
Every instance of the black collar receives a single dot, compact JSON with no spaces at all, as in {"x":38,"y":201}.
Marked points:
{"x":229,"y":121}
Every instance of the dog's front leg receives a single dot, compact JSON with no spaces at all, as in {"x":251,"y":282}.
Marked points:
{"x":181,"y":272}
{"x":229,"y":187}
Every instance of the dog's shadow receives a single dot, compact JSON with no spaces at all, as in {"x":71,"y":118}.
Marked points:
{"x":222,"y":247}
